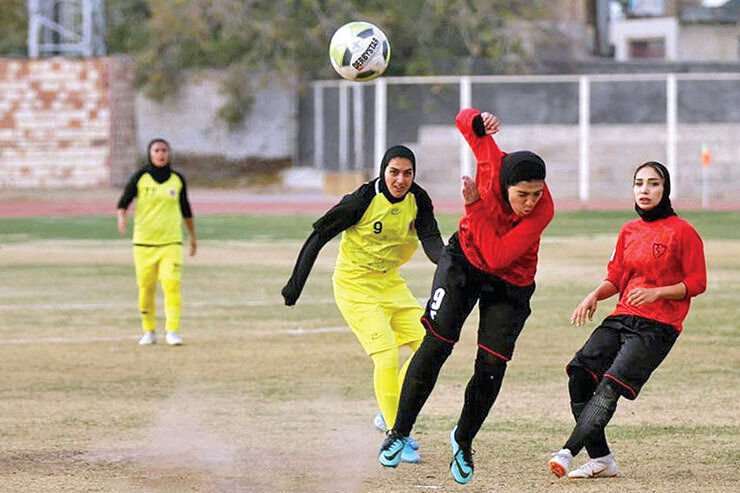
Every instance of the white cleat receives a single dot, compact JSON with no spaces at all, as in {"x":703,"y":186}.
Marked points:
{"x":601,"y":467}
{"x":149,"y":338}
{"x":173,"y":338}
{"x":379,"y":423}
{"x":560,"y":461}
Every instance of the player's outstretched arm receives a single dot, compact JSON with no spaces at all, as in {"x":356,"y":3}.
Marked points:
{"x":340,"y":217}
{"x":587,"y":307}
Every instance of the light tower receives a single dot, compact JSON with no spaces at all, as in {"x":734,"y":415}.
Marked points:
{"x":66,"y":27}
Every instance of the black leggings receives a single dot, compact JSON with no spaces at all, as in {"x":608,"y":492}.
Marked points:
{"x":504,"y":307}
{"x":582,"y":387}
{"x":592,"y":417}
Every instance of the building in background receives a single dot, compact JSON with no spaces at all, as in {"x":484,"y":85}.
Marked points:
{"x":675,"y":30}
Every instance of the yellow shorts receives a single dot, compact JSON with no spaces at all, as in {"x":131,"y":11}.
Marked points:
{"x":379,"y":308}
{"x":157,"y":262}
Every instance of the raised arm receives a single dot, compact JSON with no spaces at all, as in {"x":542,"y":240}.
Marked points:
{"x":477,"y":128}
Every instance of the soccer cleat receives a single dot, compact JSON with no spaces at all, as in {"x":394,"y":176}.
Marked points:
{"x":173,"y":338}
{"x":601,"y":467}
{"x":411,"y":441}
{"x":149,"y":337}
{"x":409,"y":453}
{"x":560,"y":461}
{"x":391,"y":449}
{"x":379,"y":424}
{"x":461,"y":466}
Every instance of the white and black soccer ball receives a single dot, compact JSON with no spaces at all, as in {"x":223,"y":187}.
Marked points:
{"x":359,"y":51}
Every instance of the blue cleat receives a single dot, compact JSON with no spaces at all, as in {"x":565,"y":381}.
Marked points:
{"x":379,"y":424}
{"x":461,"y":466}
{"x":409,"y":453}
{"x":391,"y":449}
{"x":411,"y":441}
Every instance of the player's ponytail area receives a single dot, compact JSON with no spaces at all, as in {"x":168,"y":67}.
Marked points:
{"x":262,"y":397}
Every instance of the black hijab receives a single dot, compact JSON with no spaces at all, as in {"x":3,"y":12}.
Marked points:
{"x":160,"y":174}
{"x":663,"y":209}
{"x":520,"y":166}
{"x":395,"y":151}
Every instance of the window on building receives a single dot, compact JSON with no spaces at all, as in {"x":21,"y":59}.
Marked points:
{"x":647,"y":48}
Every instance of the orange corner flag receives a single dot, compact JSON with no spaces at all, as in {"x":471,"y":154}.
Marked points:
{"x":706,"y":156}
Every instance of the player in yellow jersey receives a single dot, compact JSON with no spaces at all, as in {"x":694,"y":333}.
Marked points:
{"x":161,"y":204}
{"x":382,"y":223}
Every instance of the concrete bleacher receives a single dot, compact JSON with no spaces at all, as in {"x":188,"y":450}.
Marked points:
{"x":615,"y":151}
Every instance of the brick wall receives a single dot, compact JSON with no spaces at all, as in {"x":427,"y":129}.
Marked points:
{"x":66,"y":122}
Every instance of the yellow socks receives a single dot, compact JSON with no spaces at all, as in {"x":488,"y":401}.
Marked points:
{"x":385,"y":380}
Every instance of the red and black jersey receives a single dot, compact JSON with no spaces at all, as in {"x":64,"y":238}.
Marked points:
{"x":654,"y":254}
{"x":493,"y":238}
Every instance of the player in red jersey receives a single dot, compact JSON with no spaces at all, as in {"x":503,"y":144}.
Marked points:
{"x":491,"y":261}
{"x":657,"y":267}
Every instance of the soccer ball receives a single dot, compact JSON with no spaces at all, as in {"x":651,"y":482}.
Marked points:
{"x":359,"y":51}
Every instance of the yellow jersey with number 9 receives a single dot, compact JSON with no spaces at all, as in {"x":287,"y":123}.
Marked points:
{"x":383,"y":239}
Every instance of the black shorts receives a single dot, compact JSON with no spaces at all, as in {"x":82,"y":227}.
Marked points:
{"x":625,"y":349}
{"x":456,"y":288}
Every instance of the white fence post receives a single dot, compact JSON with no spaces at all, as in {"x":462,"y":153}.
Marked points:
{"x":318,"y":127}
{"x":584,"y":142}
{"x":466,"y":97}
{"x":672,"y":130}
{"x":381,"y":115}
{"x":343,"y":127}
{"x":358,"y":127}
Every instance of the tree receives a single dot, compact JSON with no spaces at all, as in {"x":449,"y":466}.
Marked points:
{"x":254,"y":41}
{"x":13,"y":27}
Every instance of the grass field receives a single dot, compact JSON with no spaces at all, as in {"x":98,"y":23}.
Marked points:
{"x":267,"y":398}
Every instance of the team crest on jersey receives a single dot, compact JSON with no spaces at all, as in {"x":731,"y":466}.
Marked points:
{"x":172,"y":192}
{"x":658,"y":250}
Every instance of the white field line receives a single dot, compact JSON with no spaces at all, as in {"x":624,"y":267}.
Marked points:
{"x":61,"y":307}
{"x":300,"y":331}
{"x":108,"y":306}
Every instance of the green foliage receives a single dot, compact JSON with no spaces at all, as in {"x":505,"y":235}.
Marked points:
{"x":256,"y":41}
{"x":13,"y":27}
